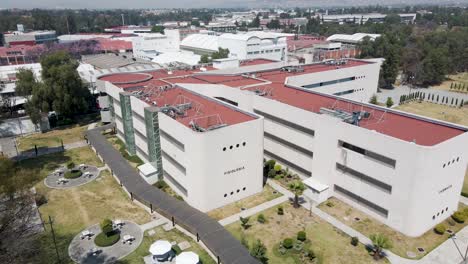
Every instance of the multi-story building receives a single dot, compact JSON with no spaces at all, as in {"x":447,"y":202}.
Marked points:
{"x":29,"y":38}
{"x":405,"y":170}
{"x":148,"y":46}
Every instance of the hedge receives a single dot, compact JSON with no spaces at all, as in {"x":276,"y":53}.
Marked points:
{"x":301,"y":236}
{"x":288,"y":243}
{"x":73,"y":174}
{"x":440,"y":229}
{"x":102,"y":240}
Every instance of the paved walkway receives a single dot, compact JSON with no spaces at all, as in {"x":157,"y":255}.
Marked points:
{"x":153,"y":224}
{"x":79,"y":248}
{"x":449,"y":252}
{"x":463,"y":199}
{"x":254,"y":210}
{"x":52,"y":181}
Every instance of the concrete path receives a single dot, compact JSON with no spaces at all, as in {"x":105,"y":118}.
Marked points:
{"x":449,"y":252}
{"x":254,"y":210}
{"x":154,"y":224}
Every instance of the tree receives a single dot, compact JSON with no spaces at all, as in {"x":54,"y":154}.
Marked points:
{"x":204,"y":59}
{"x":255,"y":22}
{"x":25,"y":82}
{"x":274,"y":24}
{"x":61,"y":89}
{"x":380,"y":242}
{"x":373,"y":99}
{"x":195,"y":23}
{"x":259,"y":251}
{"x":106,"y":226}
{"x":297,"y":187}
{"x":158,"y":29}
{"x":389,"y":102}
{"x":220,"y":54}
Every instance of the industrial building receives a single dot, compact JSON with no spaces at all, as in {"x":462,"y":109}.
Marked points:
{"x":205,"y":132}
{"x":30,"y":38}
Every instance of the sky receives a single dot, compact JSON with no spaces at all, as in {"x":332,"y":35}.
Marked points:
{"x":113,"y":4}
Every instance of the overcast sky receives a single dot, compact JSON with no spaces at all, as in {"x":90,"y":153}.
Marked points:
{"x":99,"y":4}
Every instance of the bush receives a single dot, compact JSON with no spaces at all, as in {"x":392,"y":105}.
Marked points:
{"x":176,"y":249}
{"x":330,"y":204}
{"x":178,"y":197}
{"x":106,"y":240}
{"x":40,"y":199}
{"x":277,"y":168}
{"x":459,"y":217}
{"x":280,"y":210}
{"x":271,"y":173}
{"x":73,"y":174}
{"x":261,"y":218}
{"x":288,"y":243}
{"x":354,"y":241}
{"x":106,"y":226}
{"x":301,"y":236}
{"x":440,"y":229}
{"x":70,"y":165}
{"x":161,"y":184}
{"x":311,"y":254}
{"x":270,"y":164}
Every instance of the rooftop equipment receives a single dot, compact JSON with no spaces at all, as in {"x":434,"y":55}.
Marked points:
{"x":207,"y":123}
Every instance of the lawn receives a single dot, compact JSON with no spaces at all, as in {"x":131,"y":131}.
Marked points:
{"x":173,"y":235}
{"x":72,"y":210}
{"x":52,"y":138}
{"x":401,"y":243}
{"x":119,"y":145}
{"x":48,"y":163}
{"x":436,"y":111}
{"x":266,"y":195}
{"x":460,"y":78}
{"x":330,"y":245}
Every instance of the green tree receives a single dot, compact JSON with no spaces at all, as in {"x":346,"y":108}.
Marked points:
{"x":389,"y":102}
{"x":106,"y":226}
{"x":259,"y":251}
{"x":195,"y":23}
{"x":158,"y":29}
{"x":274,"y":24}
{"x":204,"y":59}
{"x":255,"y":22}
{"x":297,"y":187}
{"x":380,"y":242}
{"x":220,"y":54}
{"x":61,"y":89}
{"x":25,"y":82}
{"x":373,"y":99}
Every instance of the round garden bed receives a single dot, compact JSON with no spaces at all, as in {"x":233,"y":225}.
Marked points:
{"x":73,"y":174}
{"x":107,"y":240}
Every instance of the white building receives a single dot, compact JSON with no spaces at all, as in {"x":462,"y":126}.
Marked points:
{"x":148,"y":46}
{"x":352,"y":39}
{"x":254,"y":45}
{"x":29,"y":38}
{"x":405,"y":170}
{"x":364,"y":18}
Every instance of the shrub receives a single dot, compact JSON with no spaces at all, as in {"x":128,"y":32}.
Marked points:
{"x":261,"y":218}
{"x":280,"y":210}
{"x":311,"y":254}
{"x":270,"y":164}
{"x":459,"y":217}
{"x":271,"y":173}
{"x":244,"y":222}
{"x":70,"y":165}
{"x":440,"y":229}
{"x":354,"y":241}
{"x":301,"y":236}
{"x":73,"y":174}
{"x":288,"y":243}
{"x":178,"y":197}
{"x":106,"y":226}
{"x":104,"y":240}
{"x":330,"y":204}
{"x":277,"y":168}
{"x":176,"y":249}
{"x":279,"y":176}
{"x":161,"y":184}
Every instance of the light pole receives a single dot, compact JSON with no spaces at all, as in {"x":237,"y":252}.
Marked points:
{"x":465,"y":260}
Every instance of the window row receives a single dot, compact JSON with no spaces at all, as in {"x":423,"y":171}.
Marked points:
{"x":237,"y":191}
{"x":358,"y":199}
{"x":171,"y":139}
{"x":174,"y":182}
{"x":289,"y":124}
{"x":320,"y":84}
{"x":237,"y":146}
{"x":289,"y":144}
{"x":356,"y":174}
{"x":368,"y":153}
{"x":287,"y":163}
{"x":173,"y":162}
{"x":440,"y":213}
{"x":451,"y":162}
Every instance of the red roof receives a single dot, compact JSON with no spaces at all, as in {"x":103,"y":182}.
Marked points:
{"x":10,"y":52}
{"x":402,"y":126}
{"x":255,"y":62}
{"x":114,"y":44}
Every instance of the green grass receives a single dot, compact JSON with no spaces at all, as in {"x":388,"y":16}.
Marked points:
{"x":118,"y":144}
{"x":104,"y":240}
{"x":174,"y":235}
{"x":73,"y":174}
{"x":329,"y":244}
{"x":52,"y":138}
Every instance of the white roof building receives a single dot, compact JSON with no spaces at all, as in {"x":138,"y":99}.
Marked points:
{"x":352,"y":39}
{"x":186,"y":57}
{"x":200,"y":43}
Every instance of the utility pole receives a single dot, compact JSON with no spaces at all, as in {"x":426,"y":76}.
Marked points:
{"x":53,"y":237}
{"x":68,"y":28}
{"x":123,"y":20}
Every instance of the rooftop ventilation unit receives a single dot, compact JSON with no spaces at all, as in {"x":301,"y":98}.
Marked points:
{"x":207,"y":123}
{"x":175,"y":111}
{"x":296,"y":68}
{"x":349,"y":117}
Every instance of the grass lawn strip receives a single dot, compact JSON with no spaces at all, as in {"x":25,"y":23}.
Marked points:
{"x":267,"y":194}
{"x":330,"y":244}
{"x":401,"y":243}
{"x":52,"y":138}
{"x":442,"y":112}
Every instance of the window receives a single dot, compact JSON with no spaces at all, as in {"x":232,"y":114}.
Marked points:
{"x":175,"y":183}
{"x":172,"y":140}
{"x":376,"y":183}
{"x":305,"y":130}
{"x":288,"y":163}
{"x":289,"y":144}
{"x":368,"y":153}
{"x":173,"y":162}
{"x":315,"y":85}
{"x":358,"y":199}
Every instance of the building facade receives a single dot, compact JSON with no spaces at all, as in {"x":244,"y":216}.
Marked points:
{"x":406,"y":171}
{"x":29,"y":38}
